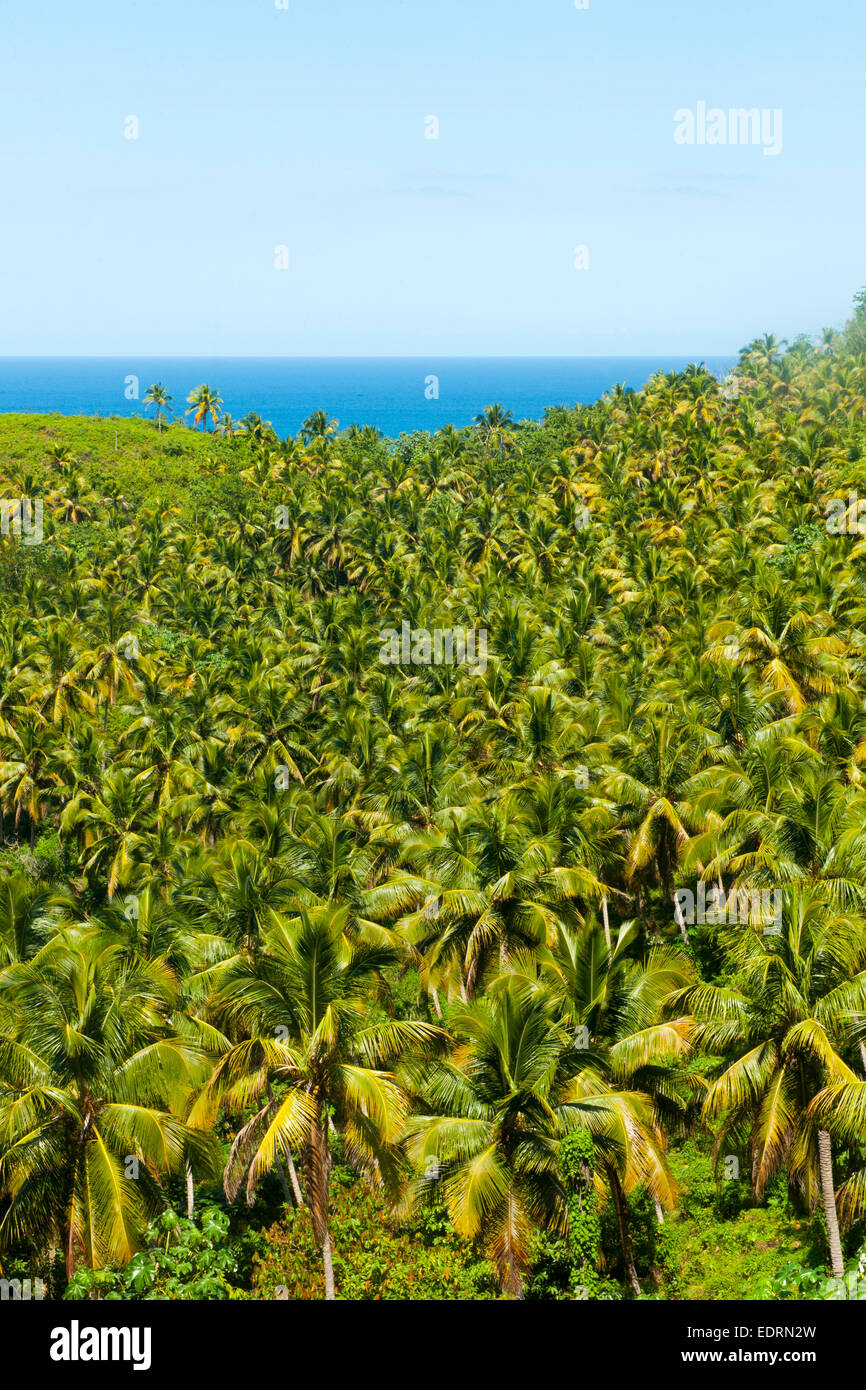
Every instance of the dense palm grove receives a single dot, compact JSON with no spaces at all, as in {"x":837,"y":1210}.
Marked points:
{"x":280,"y":897}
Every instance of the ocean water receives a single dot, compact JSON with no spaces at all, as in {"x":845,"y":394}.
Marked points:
{"x":395,"y":394}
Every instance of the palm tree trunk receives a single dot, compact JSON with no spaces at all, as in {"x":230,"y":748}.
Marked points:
{"x":681,"y":923}
{"x":293,"y":1176}
{"x":660,"y":1216}
{"x":620,"y":1207}
{"x":510,"y":1273}
{"x":69,"y":1252}
{"x":651,"y":933}
{"x":190,"y":1192}
{"x":606,"y":922}
{"x":287,"y":1196}
{"x":862,"y":1044}
{"x":665,"y":871}
{"x":317,"y":1165}
{"x":328,"y":1262}
{"x":825,"y":1161}
{"x":438,"y":1007}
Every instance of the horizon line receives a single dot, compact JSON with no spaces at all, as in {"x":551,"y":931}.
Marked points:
{"x":351,"y":357}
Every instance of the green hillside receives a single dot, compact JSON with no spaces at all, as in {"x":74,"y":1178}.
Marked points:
{"x":437,"y":865}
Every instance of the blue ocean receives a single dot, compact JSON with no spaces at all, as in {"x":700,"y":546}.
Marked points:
{"x":395,"y":394}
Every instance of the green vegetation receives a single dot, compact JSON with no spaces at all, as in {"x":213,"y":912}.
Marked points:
{"x":375,"y":1258}
{"x":437,"y":866}
{"x":183,"y":1259}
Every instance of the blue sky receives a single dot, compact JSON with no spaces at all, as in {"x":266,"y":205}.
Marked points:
{"x":305,"y":127}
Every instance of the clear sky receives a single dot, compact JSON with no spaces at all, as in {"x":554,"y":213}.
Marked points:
{"x":305,"y":127}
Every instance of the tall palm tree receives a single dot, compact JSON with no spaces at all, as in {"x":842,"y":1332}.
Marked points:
{"x":319,"y":426}
{"x":158,"y":396}
{"x":91,"y":1072}
{"x":492,"y":1117}
{"x":204,"y":404}
{"x":489,"y":1119}
{"x":784,"y":1024}
{"x":304,"y":1044}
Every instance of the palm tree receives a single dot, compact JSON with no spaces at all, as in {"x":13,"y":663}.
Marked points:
{"x":33,"y":771}
{"x":488,"y":886}
{"x":90,"y":1075}
{"x":651,"y":789}
{"x":319,"y":426}
{"x":492,"y":1118}
{"x":494,"y":421}
{"x":158,"y":396}
{"x":301,"y":1042}
{"x":27,"y":915}
{"x":489,"y":1120}
{"x":784,"y":1024}
{"x":203,"y":404}
{"x":618,"y":1007}
{"x":110,"y":826}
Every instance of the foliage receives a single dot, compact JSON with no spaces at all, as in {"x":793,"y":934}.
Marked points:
{"x":183,"y":1259}
{"x":721,"y":1244}
{"x":287,"y":906}
{"x":374,"y":1259}
{"x":794,"y":1282}
{"x":576,"y":1164}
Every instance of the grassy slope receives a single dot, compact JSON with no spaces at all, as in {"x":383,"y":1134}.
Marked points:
{"x":146,"y":465}
{"x":713,"y":1255}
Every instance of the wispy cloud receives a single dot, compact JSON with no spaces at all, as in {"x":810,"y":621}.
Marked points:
{"x":440,"y":183}
{"x":697,"y":184}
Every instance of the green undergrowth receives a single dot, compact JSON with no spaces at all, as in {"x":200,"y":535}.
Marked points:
{"x":719,"y":1244}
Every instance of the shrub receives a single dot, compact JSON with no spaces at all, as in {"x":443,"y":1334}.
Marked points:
{"x":373,"y":1258}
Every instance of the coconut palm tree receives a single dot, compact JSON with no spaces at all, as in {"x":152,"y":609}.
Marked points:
{"x":784,"y":1025}
{"x":303,"y":1043}
{"x":492,"y":1117}
{"x":319,"y":426}
{"x":91,"y":1072}
{"x":204,"y":404}
{"x":157,"y":396}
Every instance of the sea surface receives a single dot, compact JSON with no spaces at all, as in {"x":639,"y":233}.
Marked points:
{"x":395,"y":394}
